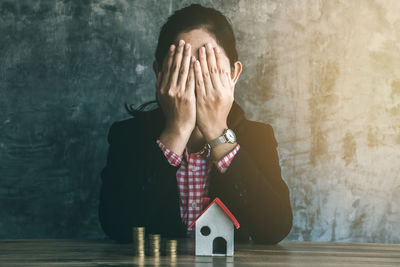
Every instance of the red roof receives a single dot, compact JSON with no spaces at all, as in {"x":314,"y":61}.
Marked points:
{"x":224,"y":209}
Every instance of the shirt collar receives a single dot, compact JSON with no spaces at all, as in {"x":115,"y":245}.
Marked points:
{"x":204,"y":153}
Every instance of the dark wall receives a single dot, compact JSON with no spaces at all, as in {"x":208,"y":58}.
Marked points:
{"x":66,"y":69}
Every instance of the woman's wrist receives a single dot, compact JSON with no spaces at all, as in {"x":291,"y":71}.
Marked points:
{"x":175,"y":139}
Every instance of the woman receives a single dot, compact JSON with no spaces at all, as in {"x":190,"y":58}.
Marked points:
{"x":165,"y":164}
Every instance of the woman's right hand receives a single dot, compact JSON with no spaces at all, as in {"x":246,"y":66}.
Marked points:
{"x":176,"y":89}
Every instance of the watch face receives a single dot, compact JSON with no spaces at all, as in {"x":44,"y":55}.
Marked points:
{"x":230,"y":135}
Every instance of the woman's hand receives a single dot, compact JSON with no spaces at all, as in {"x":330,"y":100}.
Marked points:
{"x":214,"y":90}
{"x":175,"y":89}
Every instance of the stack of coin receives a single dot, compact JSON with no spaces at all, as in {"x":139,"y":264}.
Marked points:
{"x":171,"y":248}
{"x":154,"y":245}
{"x":138,"y":241}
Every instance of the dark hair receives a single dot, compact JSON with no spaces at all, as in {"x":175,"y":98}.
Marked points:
{"x":186,"y":19}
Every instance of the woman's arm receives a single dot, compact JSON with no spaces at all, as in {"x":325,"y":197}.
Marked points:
{"x":253,"y":188}
{"x":138,"y":186}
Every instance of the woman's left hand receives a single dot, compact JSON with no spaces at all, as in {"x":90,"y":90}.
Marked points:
{"x":214,"y":92}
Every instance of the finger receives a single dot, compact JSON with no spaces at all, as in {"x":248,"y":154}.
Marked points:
{"x":212,"y":67}
{"x":183,"y":73}
{"x":166,"y":67}
{"x":176,"y":65}
{"x":221,"y":70}
{"x":200,"y":87}
{"x":190,"y":84}
{"x":204,"y":70}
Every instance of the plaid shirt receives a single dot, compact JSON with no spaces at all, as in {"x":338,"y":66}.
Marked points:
{"x":192,"y":179}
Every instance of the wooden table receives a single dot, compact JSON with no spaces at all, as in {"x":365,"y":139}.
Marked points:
{"x":103,"y":252}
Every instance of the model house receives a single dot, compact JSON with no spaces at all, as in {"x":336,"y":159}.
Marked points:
{"x":214,"y":233}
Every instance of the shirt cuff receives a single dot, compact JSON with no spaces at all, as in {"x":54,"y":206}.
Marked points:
{"x":225,"y":161}
{"x":173,"y":158}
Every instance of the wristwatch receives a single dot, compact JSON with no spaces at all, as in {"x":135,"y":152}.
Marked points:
{"x":227,"y":137}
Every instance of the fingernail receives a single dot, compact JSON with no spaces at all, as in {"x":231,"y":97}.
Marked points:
{"x":187,"y":46}
{"x":172,"y":48}
{"x":209,"y":46}
{"x":217,"y":49}
{"x":202,"y":49}
{"x":197,"y":63}
{"x":193,"y":59}
{"x":181,"y":42}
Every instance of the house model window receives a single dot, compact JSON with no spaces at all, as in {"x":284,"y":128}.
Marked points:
{"x":214,"y":230}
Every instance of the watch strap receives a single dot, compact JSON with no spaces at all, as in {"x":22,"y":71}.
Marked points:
{"x":217,"y":141}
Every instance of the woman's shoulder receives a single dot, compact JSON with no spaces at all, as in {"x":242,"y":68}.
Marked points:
{"x":119,"y":130}
{"x":238,"y":120}
{"x":135,"y":127}
{"x":123,"y":125}
{"x":257,"y":131}
{"x":259,"y":126}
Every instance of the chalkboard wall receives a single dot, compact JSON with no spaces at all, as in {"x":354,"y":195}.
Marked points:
{"x":324,"y":74}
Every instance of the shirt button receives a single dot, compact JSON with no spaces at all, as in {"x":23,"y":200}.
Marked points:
{"x":194,"y":204}
{"x":194,"y":168}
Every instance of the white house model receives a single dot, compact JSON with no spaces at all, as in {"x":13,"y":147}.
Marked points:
{"x":214,"y":233}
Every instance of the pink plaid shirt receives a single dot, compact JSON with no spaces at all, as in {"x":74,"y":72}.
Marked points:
{"x":192,"y":179}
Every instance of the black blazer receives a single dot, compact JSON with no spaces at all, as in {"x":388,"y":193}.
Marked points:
{"x":139,"y":186}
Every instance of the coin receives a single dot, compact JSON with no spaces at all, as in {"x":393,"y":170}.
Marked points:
{"x":171,"y":247}
{"x":154,"y":247}
{"x":138,"y":241}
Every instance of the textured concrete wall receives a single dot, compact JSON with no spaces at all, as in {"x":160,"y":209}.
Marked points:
{"x":324,"y":73}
